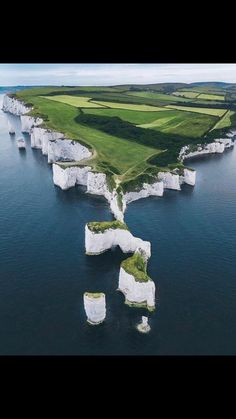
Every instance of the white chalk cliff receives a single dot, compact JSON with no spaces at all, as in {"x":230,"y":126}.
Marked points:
{"x":170,"y":180}
{"x":189,"y":177}
{"x":14,"y":106}
{"x":66,"y":150}
{"x":70,"y":176}
{"x":97,"y":185}
{"x":57,"y":147}
{"x":40,"y":138}
{"x":95,"y":182}
{"x":96,"y":243}
{"x":136,"y":292}
{"x":228,"y":142}
{"x":218,"y":146}
{"x":152,"y":189}
{"x":95,"y":307}
{"x":11,"y":128}
{"x":28,"y":122}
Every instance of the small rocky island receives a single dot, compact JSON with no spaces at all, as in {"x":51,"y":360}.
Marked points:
{"x":95,"y":307}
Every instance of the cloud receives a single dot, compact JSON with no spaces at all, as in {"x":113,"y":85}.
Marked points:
{"x":108,"y":74}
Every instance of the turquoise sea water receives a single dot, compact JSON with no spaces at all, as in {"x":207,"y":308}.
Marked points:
{"x":44,"y":270}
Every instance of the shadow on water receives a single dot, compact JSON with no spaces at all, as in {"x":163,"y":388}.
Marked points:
{"x":40,"y":158}
{"x":186,"y":190}
{"x":22,"y":152}
{"x":12,"y":136}
{"x":103,"y":261}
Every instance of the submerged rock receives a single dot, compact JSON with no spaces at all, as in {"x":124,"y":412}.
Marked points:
{"x":144,"y":327}
{"x":95,"y":307}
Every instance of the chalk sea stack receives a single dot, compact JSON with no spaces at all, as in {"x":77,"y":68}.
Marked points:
{"x":95,"y":307}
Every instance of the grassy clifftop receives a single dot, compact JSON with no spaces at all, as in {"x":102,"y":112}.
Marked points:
{"x":101,"y":227}
{"x":136,"y":266}
{"x":134,"y":130}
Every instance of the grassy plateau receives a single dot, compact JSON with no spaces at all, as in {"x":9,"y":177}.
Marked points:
{"x":133,"y":130}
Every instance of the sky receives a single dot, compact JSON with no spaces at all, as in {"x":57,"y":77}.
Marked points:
{"x":111,"y":74}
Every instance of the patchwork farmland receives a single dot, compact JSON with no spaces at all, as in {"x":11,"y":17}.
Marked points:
{"x":128,"y":127}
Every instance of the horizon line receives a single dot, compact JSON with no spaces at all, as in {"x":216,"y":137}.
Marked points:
{"x":113,"y":85}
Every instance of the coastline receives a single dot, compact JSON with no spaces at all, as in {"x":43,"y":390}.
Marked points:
{"x":97,"y":183}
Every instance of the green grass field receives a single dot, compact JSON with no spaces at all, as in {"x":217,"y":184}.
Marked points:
{"x":206,"y":111}
{"x":128,"y":136}
{"x":159,"y":96}
{"x":182,"y":123}
{"x":77,"y":101}
{"x":135,"y":117}
{"x":187,"y":94}
{"x":225,"y":121}
{"x":118,"y":152}
{"x":205,"y":96}
{"x":130,"y":106}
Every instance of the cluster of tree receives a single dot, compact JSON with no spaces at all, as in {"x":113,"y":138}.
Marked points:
{"x":123,"y":129}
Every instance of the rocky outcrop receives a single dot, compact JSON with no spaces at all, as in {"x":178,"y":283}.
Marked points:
{"x":28,"y":122}
{"x":144,"y":327}
{"x":14,"y":106}
{"x":70,"y":176}
{"x":137,"y":287}
{"x":117,"y":205}
{"x":20,"y":143}
{"x":11,"y":128}
{"x":40,"y":138}
{"x":95,"y":307}
{"x":152,"y":189}
{"x":96,"y":184}
{"x":66,"y":150}
{"x":231,"y":134}
{"x":170,"y":180}
{"x":228,"y":142}
{"x":188,"y":177}
{"x":139,"y":294}
{"x":97,"y":243}
{"x":57,"y":147}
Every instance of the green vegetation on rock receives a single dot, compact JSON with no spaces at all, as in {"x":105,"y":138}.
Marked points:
{"x":136,"y":266}
{"x":139,"y":305}
{"x":101,"y":226}
{"x":94,"y":294}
